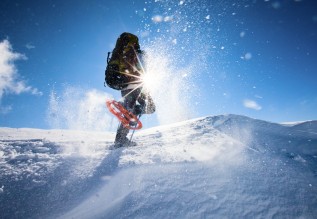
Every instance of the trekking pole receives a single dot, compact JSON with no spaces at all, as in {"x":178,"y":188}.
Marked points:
{"x":134,"y":130}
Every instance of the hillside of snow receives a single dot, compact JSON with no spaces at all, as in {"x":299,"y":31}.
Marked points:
{"x":226,"y":166}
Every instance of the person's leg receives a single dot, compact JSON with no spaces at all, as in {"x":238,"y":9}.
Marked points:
{"x":147,"y":103}
{"x":129,"y":102}
{"x":121,"y":135}
{"x":130,"y":98}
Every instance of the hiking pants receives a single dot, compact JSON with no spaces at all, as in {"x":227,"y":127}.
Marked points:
{"x":138,"y":103}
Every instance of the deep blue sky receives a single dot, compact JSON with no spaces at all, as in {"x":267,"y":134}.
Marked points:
{"x":255,"y":58}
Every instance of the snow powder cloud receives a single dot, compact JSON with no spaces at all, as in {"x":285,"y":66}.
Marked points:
{"x":251,"y":104}
{"x":79,"y":109}
{"x":10,"y":82}
{"x":171,"y":90}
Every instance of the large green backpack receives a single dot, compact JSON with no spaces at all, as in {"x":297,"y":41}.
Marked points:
{"x":127,"y":45}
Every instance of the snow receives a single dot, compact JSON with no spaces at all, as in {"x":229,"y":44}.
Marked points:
{"x":226,"y":166}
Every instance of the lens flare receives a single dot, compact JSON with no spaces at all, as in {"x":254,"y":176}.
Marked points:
{"x":148,"y":81}
{"x":151,"y":79}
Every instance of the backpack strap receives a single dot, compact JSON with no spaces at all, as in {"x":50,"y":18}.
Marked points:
{"x":108,"y":57}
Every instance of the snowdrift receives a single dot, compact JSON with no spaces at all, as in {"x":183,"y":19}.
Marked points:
{"x":226,"y":166}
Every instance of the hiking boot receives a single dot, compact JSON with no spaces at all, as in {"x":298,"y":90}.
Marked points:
{"x":124,"y":143}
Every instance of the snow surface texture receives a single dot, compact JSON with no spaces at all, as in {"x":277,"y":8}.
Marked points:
{"x":215,"y":167}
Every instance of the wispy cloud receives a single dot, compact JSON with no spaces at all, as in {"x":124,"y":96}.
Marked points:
{"x":5,"y":109}
{"x":251,"y":104}
{"x":30,"y":46}
{"x":159,"y":19}
{"x":10,"y":81}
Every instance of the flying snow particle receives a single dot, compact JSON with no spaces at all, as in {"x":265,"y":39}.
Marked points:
{"x":248,"y":56}
{"x":145,"y":34}
{"x":222,"y":47}
{"x":214,"y":197}
{"x":258,"y":96}
{"x":174,"y":41}
{"x":242,"y":34}
{"x":276,"y":5}
{"x":181,"y":2}
{"x":208,"y":17}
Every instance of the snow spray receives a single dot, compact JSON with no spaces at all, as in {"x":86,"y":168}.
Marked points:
{"x":79,"y":109}
{"x":174,"y":39}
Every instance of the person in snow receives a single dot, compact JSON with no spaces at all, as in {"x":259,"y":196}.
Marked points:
{"x":124,"y":72}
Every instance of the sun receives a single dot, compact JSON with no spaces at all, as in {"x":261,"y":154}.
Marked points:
{"x":147,"y":81}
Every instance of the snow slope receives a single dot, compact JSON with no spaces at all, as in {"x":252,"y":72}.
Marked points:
{"x":226,"y":166}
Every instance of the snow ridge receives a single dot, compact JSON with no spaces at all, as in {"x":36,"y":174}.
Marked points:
{"x":219,"y":166}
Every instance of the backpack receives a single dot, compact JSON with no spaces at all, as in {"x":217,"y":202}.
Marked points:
{"x":122,"y":54}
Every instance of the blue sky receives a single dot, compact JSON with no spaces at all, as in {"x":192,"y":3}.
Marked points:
{"x":254,"y":58}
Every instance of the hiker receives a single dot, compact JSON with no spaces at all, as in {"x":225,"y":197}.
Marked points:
{"x":124,"y":73}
